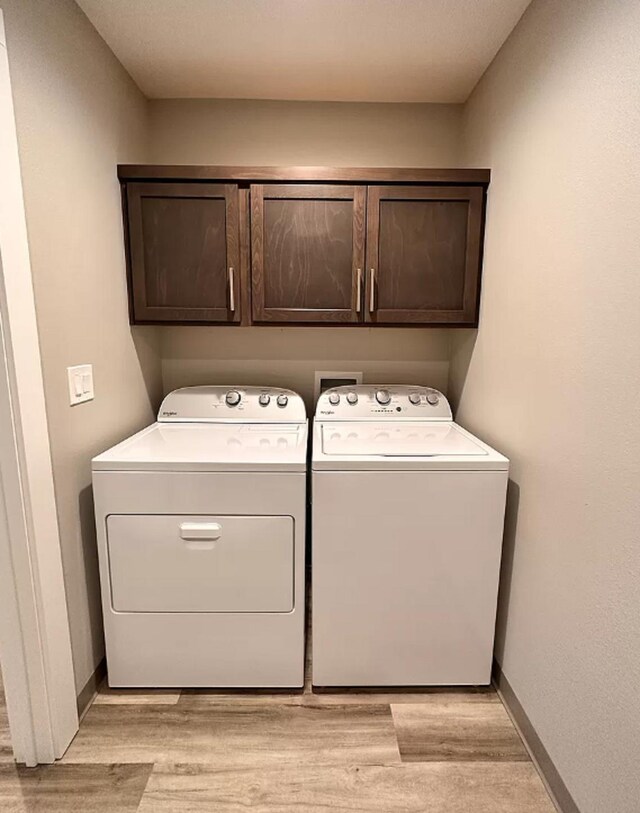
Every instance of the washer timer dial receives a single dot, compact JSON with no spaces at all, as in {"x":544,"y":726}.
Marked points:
{"x":383,"y":397}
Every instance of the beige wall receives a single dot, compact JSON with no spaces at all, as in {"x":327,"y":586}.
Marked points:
{"x":78,"y":114}
{"x":289,"y":357}
{"x":306,"y":133}
{"x":232,"y":131}
{"x":553,"y":379}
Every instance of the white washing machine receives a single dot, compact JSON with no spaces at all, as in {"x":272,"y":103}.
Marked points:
{"x":201,"y":539}
{"x":407,"y":525}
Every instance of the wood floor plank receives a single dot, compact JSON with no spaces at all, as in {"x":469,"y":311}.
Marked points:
{"x":6,"y":750}
{"x":72,"y":788}
{"x":479,"y":787}
{"x":194,"y":698}
{"x":156,"y":697}
{"x":238,"y":736}
{"x":457,"y":731}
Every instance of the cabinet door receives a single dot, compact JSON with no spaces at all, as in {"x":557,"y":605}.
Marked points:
{"x":423,"y":254}
{"x":184,"y":245}
{"x":307,"y":253}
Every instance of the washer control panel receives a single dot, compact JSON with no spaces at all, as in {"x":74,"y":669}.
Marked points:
{"x":376,"y":401}
{"x":233,"y":403}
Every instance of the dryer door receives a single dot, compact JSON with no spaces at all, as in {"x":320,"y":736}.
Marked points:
{"x":205,"y":564}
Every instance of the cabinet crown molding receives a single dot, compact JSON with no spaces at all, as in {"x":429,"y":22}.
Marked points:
{"x":187,"y":172}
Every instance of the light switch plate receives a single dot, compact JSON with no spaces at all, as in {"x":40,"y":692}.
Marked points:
{"x":80,"y":383}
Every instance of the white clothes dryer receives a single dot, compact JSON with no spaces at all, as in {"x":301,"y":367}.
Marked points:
{"x":407,"y":526}
{"x":201,"y":541}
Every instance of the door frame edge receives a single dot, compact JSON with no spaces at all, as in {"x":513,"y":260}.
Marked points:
{"x":35,"y":639}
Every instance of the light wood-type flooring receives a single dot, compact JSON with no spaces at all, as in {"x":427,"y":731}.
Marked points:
{"x":183,"y":751}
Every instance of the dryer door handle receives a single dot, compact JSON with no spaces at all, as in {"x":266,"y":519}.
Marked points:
{"x":200,"y":535}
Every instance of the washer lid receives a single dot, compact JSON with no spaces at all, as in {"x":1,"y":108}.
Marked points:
{"x":397,"y":439}
{"x":400,"y":445}
{"x":210,"y":447}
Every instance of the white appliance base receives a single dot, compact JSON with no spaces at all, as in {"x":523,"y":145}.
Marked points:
{"x":405,"y":576}
{"x":193,"y":648}
{"x":177,"y":650}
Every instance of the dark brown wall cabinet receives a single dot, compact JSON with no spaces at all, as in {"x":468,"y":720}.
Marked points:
{"x":423,"y":254}
{"x":296,"y":246}
{"x":184,"y":252}
{"x":307,"y":252}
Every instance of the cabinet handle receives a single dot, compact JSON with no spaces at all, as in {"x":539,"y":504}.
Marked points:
{"x":232,"y":293}
{"x":359,"y":291}
{"x":372,"y":291}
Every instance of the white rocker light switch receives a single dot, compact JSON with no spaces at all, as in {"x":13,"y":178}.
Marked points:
{"x":80,"y":383}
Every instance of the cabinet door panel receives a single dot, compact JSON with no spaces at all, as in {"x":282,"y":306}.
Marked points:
{"x":423,"y":254}
{"x":308,"y":252}
{"x":184,"y":249}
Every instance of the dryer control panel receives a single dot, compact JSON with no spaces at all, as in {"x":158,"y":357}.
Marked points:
{"x":383,"y":401}
{"x":217,"y":403}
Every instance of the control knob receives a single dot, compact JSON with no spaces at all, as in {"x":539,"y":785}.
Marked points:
{"x":383,"y":397}
{"x":233,"y":398}
{"x":352,"y":398}
{"x":414,"y":397}
{"x":282,"y":400}
{"x":433,"y":398}
{"x":334,"y":398}
{"x":264,"y":399}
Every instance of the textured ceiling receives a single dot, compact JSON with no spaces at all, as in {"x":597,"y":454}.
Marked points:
{"x":324,"y":50}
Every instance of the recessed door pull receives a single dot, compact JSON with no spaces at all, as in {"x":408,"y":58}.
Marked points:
{"x":200,"y":535}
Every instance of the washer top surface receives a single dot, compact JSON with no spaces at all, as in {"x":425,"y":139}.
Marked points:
{"x":395,"y":427}
{"x":204,"y":429}
{"x":415,"y":439}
